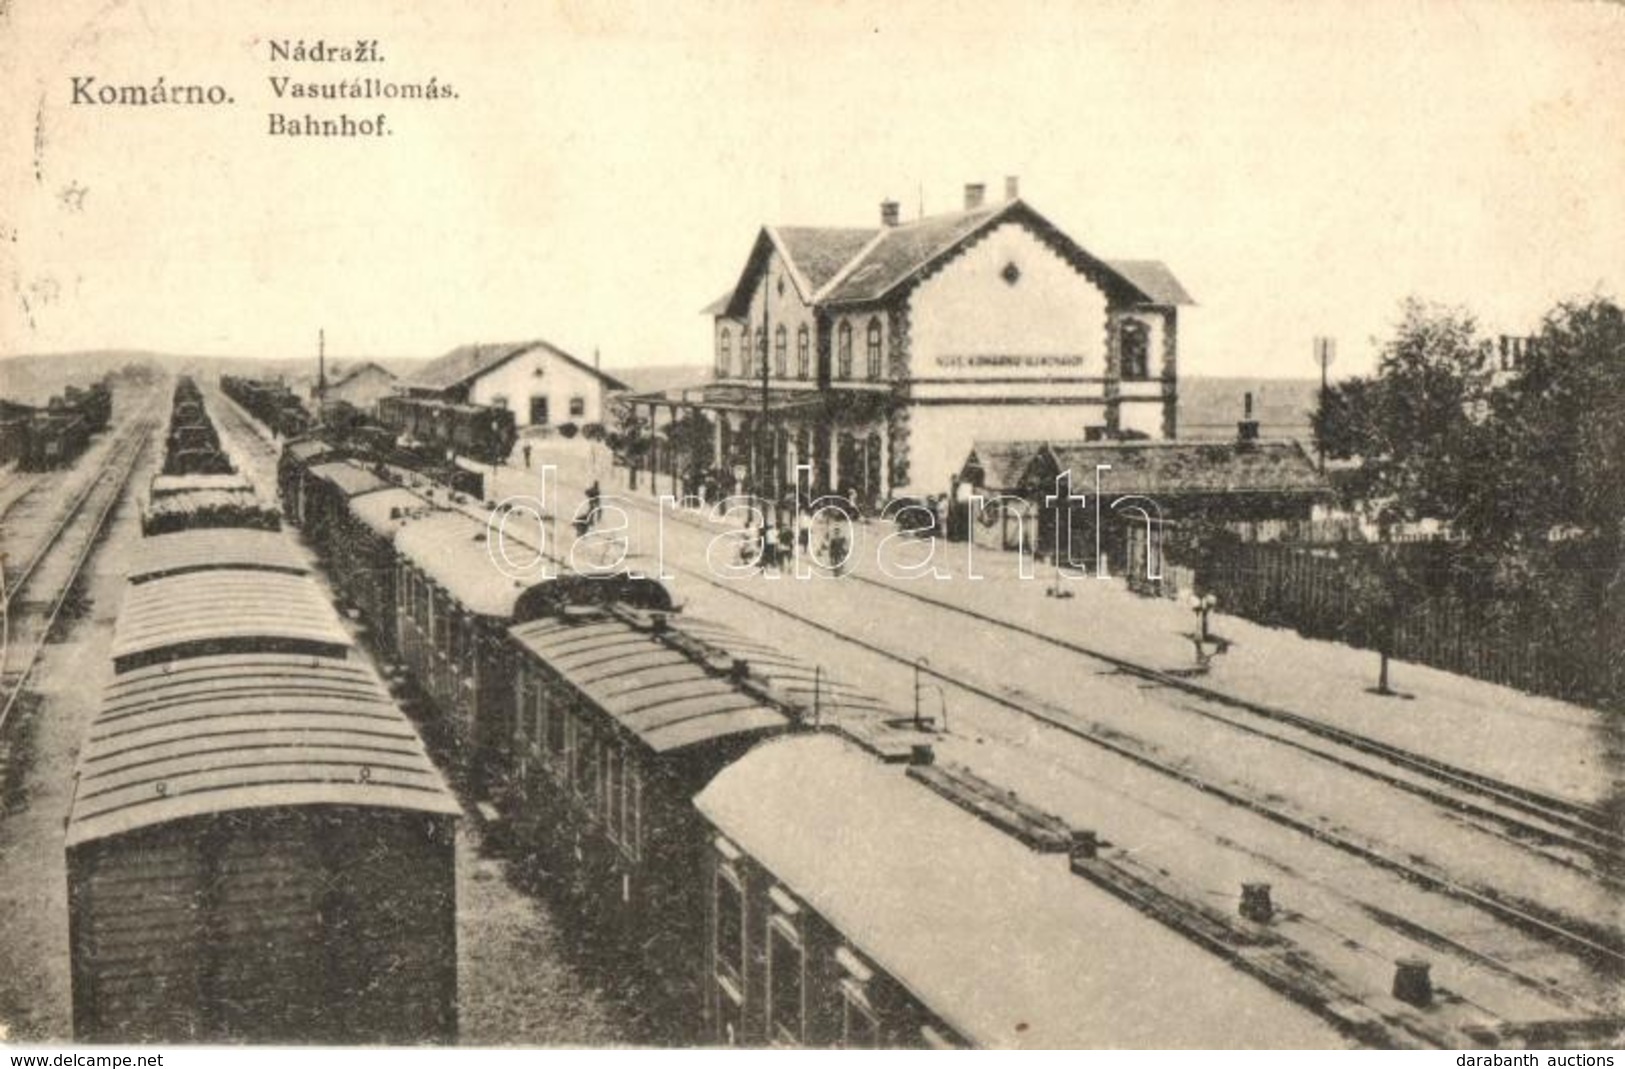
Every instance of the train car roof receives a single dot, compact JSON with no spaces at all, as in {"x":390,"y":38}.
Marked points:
{"x":226,"y":733}
{"x":1003,"y":944}
{"x":225,"y":607}
{"x":387,"y":510}
{"x":351,"y":480}
{"x":163,"y":485}
{"x":211,"y":549}
{"x":307,"y":448}
{"x":451,"y":549}
{"x":663,"y":696}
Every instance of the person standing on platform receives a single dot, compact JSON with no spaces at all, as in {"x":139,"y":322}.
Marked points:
{"x":526,"y":450}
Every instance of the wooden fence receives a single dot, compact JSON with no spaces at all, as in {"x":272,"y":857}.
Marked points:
{"x":1561,"y":647}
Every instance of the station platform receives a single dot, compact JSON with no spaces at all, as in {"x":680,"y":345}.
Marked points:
{"x":1543,"y":744}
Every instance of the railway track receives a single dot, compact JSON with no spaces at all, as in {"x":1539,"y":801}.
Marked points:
{"x":1602,"y":947}
{"x":1524,"y":815}
{"x":35,"y":595}
{"x":1582,"y":827}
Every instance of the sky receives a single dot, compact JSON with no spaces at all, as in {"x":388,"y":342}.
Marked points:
{"x":604,"y":168}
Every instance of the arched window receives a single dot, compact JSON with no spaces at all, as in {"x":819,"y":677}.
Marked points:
{"x":843,"y":350}
{"x":744,"y":352}
{"x":781,"y":352}
{"x":874,"y":347}
{"x":724,"y":351}
{"x":1134,"y":348}
{"x":803,"y":352}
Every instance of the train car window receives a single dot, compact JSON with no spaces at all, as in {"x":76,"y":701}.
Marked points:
{"x":634,"y":805}
{"x":786,"y":974}
{"x":860,"y":1024}
{"x":567,"y":762}
{"x":728,"y":951}
{"x":555,"y":731}
{"x":860,"y":1027}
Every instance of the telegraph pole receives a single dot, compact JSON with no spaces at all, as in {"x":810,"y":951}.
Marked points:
{"x":321,"y":373}
{"x":764,"y":485}
{"x":1325,"y":355}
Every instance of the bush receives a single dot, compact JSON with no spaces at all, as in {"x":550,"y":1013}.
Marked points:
{"x":593,"y":432}
{"x":568,"y":430}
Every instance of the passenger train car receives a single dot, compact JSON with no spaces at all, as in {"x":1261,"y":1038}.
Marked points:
{"x":259,"y":848}
{"x":768,"y":852}
{"x":480,"y":432}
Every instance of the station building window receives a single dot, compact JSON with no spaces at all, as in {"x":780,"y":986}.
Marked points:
{"x":803,"y":352}
{"x":724,"y":351}
{"x":761,"y":352}
{"x":578,"y":407}
{"x":781,"y":352}
{"x":874,"y":348}
{"x":843,"y":350}
{"x":744,"y":352}
{"x":786,"y":972}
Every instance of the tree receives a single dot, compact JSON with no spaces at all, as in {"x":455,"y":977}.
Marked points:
{"x":1380,"y":587}
{"x":1560,"y":428}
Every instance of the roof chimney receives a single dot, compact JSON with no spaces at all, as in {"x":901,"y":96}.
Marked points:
{"x":1247,"y":429}
{"x":974,"y":194}
{"x":888,"y":212}
{"x":1012,"y":187}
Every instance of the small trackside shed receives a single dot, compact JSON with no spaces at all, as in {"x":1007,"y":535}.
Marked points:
{"x":259,"y":850}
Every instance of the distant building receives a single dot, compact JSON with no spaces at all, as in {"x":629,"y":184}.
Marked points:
{"x":543,"y":386}
{"x":887,"y":349}
{"x":360,"y":384}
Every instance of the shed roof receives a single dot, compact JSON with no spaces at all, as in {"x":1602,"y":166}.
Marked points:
{"x":213,"y":548}
{"x":661,"y":695}
{"x":470,"y":361}
{"x":452,"y":549}
{"x":349,"y":479}
{"x":999,"y":464}
{"x":224,"y":606}
{"x":1004,"y":944}
{"x":226,"y":733}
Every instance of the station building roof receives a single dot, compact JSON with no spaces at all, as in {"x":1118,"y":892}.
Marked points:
{"x":1004,"y":945}
{"x":249,"y":731}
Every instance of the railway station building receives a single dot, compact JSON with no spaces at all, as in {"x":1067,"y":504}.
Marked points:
{"x":541,"y":384}
{"x":877,"y":355}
